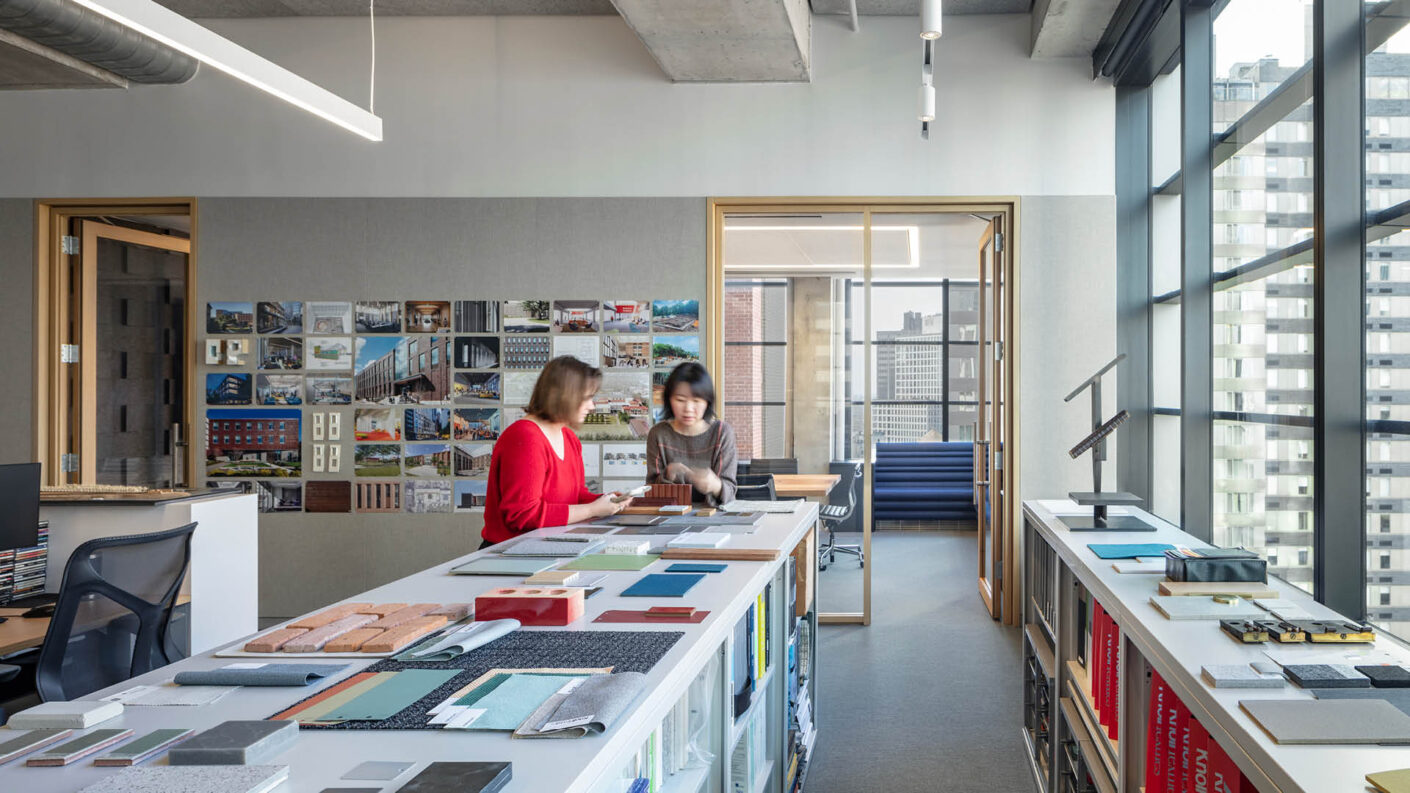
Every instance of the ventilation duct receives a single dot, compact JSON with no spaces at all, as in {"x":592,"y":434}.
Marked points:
{"x":90,"y":37}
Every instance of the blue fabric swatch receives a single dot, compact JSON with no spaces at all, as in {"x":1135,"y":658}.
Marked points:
{"x":513,"y":700}
{"x":695,"y":567}
{"x":663,"y":585}
{"x":1129,"y":550}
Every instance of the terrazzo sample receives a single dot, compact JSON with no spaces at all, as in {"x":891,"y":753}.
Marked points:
{"x":193,"y":779}
{"x":236,"y":743}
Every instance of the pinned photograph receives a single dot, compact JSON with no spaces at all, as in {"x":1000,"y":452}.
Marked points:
{"x":675,"y":316}
{"x":279,"y":496}
{"x":518,"y":387}
{"x":526,"y":352}
{"x":427,"y":459}
{"x":377,"y":424}
{"x":253,"y":442}
{"x":477,"y":388}
{"x":279,"y":352}
{"x":330,"y":390}
{"x":228,"y":389}
{"x":510,"y":414}
{"x":403,"y":370}
{"x":428,"y":316}
{"x":477,"y":316}
{"x":668,"y":352}
{"x":377,"y":496}
{"x":585,"y":348}
{"x":328,"y":318}
{"x":626,"y":352}
{"x":230,"y":317}
{"x":623,"y":460}
{"x":479,"y":352}
{"x":658,"y":394}
{"x":526,"y":316}
{"x":473,"y":459}
{"x":426,"y":424}
{"x":235,"y":351}
{"x":476,"y":424}
{"x":622,"y":408}
{"x":377,"y":316}
{"x":429,"y":497}
{"x":592,"y":459}
{"x":575,"y":316}
{"x":215,"y":352}
{"x":332,"y":353}
{"x":286,"y":318}
{"x":470,"y":494}
{"x":376,"y":459}
{"x":626,"y":316}
{"x":279,"y":389}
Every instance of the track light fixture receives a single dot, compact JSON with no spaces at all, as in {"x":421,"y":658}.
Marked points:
{"x":930,"y":19}
{"x":927,"y":102}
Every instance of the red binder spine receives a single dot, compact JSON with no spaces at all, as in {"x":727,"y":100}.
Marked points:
{"x":1199,"y":759}
{"x":1224,"y":776}
{"x":1172,"y":742}
{"x":1113,"y":677}
{"x":1155,"y":736}
{"x":1096,"y":656}
{"x":1182,"y":732}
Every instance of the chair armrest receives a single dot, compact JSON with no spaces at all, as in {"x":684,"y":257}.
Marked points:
{"x":8,"y":672}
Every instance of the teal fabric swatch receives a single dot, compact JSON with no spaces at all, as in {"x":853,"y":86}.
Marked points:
{"x":1128,"y":550}
{"x":513,"y":700}
{"x":393,"y":696}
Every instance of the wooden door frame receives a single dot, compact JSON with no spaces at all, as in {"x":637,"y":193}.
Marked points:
{"x":1007,"y":206}
{"x":52,"y":319}
{"x":983,"y":452}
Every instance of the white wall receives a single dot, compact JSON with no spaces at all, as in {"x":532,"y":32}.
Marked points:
{"x":575,"y":106}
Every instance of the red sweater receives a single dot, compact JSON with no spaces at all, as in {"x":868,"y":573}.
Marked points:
{"x":530,"y":487}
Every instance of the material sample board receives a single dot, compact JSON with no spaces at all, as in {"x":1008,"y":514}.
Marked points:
{"x":1330,"y":721}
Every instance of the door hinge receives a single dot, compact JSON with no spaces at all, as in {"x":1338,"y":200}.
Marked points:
{"x":68,"y":353}
{"x":68,"y":463}
{"x":998,"y":242}
{"x":998,"y":351}
{"x":998,"y":461}
{"x":69,"y":243}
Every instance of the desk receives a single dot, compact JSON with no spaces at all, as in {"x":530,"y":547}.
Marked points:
{"x":588,"y":765}
{"x":18,"y":633}
{"x":814,"y":486}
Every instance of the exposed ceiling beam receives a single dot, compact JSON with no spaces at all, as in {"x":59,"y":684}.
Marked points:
{"x":1069,"y":28}
{"x":25,"y":64}
{"x":725,"y":41}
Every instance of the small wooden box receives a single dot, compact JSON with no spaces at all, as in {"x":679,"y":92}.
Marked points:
{"x":531,"y":605}
{"x":676,"y":494}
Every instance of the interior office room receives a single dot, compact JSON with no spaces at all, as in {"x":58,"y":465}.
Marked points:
{"x":1053,"y":369}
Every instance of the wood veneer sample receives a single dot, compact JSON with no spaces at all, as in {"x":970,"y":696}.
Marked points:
{"x":314,"y":640}
{"x":352,"y":641}
{"x":1244,"y":589}
{"x":404,"y":615}
{"x":274,"y":640}
{"x":722,"y":554}
{"x":396,"y":638}
{"x":326,"y":616}
{"x":327,"y":496}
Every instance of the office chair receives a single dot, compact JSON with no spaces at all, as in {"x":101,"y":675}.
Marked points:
{"x":773,"y":465}
{"x":833,"y":515}
{"x":755,"y":487}
{"x":114,"y":610}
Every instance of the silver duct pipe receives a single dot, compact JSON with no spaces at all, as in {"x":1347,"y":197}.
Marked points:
{"x":91,"y":37}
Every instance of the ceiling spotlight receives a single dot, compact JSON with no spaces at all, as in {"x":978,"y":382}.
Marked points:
{"x":927,"y":102}
{"x":930,"y":19}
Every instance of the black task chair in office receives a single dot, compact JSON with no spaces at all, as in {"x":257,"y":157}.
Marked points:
{"x":773,"y":465}
{"x":833,"y":515}
{"x":114,"y":609}
{"x":755,"y":487}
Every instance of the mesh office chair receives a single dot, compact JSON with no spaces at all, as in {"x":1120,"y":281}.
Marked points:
{"x":755,"y":487}
{"x":833,"y":515}
{"x":114,"y":610}
{"x":773,"y":465}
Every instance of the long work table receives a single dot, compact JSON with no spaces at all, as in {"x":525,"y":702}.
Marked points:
{"x":1060,"y":567}
{"x":592,"y":764}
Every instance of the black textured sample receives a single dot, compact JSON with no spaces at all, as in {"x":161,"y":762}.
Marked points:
{"x":1387,"y":676}
{"x":1325,"y":676}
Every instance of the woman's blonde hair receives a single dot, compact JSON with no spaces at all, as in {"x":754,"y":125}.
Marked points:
{"x":561,"y":388}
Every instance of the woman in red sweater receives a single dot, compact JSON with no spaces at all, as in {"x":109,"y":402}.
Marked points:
{"x":536,"y":469}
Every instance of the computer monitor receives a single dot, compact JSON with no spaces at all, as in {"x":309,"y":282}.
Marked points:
{"x":19,"y":505}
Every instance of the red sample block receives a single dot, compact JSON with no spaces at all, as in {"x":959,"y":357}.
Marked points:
{"x":531,"y":605}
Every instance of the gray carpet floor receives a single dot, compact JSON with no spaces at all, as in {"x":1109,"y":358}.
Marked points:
{"x":928,"y":698}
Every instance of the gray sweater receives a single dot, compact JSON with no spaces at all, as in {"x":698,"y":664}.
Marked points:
{"x":713,"y":449}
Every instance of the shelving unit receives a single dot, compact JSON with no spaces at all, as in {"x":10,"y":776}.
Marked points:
{"x":1069,"y":748}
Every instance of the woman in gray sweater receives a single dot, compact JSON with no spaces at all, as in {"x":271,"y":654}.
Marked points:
{"x":692,"y":445}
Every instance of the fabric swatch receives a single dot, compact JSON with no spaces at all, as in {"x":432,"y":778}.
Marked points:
{"x":1128,"y":550}
{"x":663,"y":585}
{"x":605,"y":561}
{"x":1326,"y":676}
{"x":696,"y":567}
{"x":391,"y":696}
{"x":499,"y":565}
{"x":1386,"y":676}
{"x":511,"y":702}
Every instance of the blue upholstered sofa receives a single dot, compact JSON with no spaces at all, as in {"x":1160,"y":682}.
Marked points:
{"x":923,"y":481}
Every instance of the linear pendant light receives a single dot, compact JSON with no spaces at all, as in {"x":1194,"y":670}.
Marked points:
{"x":179,"y":33}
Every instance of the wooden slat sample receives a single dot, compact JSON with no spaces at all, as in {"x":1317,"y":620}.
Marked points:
{"x":329,"y":615}
{"x":351,"y":641}
{"x":274,"y":640}
{"x":1247,"y":590}
{"x":722,"y":554}
{"x":314,"y":640}
{"x":328,"y":496}
{"x":396,"y":638}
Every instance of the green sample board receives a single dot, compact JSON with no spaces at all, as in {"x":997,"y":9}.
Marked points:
{"x":610,"y":561}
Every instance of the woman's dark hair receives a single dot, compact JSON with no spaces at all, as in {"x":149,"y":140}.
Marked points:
{"x":562,"y":386}
{"x":695,"y":377}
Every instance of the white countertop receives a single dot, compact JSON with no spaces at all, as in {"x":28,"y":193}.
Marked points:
{"x":321,"y":757}
{"x":1179,"y":648}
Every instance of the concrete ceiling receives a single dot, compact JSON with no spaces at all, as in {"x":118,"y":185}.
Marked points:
{"x":332,"y":8}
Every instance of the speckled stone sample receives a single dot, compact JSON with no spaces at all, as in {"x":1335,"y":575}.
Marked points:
{"x":236,"y":743}
{"x":192,"y":779}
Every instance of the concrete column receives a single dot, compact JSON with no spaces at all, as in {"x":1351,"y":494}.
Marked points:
{"x":810,"y":373}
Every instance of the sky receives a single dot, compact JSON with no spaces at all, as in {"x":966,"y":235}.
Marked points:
{"x":370,"y":348}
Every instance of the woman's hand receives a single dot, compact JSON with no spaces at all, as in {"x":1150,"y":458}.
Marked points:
{"x":702,"y":479}
{"x":678,"y":472}
{"x":605,"y":505}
